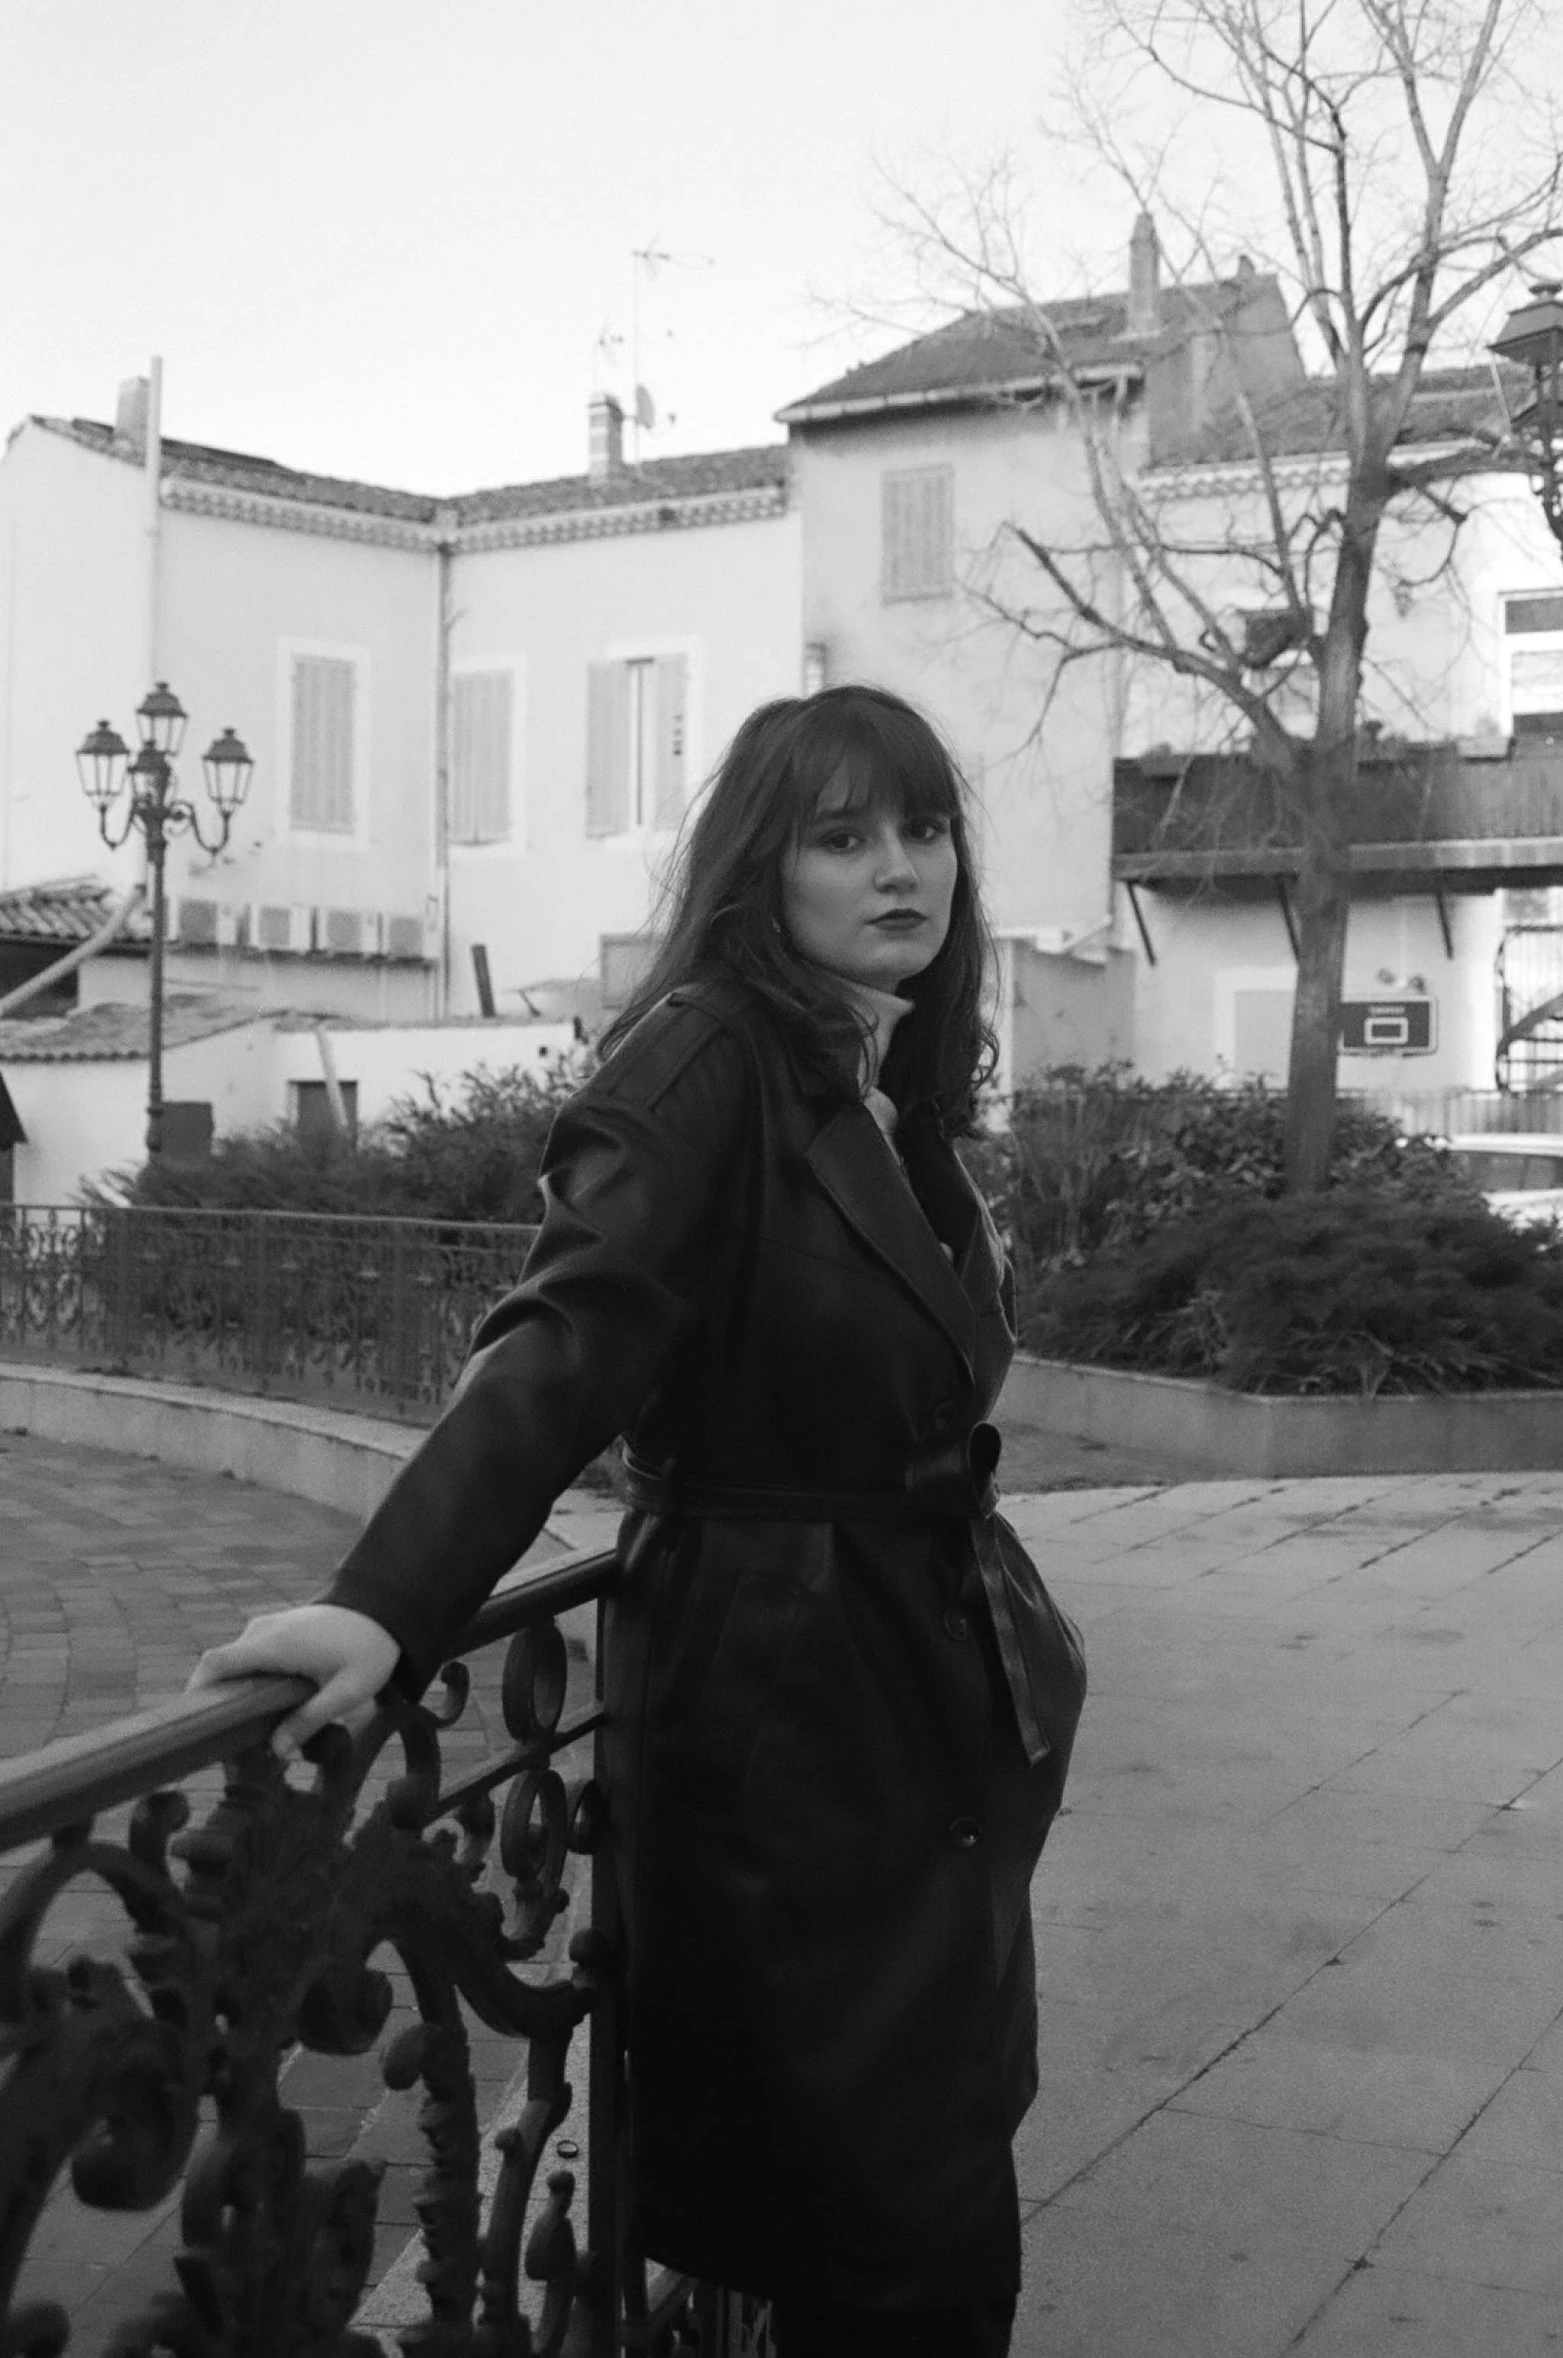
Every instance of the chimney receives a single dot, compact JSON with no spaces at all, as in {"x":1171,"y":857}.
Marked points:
{"x":1144,"y":314}
{"x":605,"y":449}
{"x":130,"y":415}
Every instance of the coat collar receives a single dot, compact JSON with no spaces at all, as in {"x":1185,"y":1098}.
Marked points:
{"x":857,"y":1167}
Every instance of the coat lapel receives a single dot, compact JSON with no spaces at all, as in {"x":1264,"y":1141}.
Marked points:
{"x":857,"y":1167}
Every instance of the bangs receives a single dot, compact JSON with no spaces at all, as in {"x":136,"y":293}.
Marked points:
{"x":872,"y":759}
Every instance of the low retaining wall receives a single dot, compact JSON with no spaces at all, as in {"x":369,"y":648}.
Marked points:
{"x":327,"y":1455}
{"x":1208,"y":1431}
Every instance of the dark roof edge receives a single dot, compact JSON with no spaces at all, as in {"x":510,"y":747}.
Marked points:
{"x":805,"y":413}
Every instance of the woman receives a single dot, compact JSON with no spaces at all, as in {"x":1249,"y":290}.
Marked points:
{"x":841,"y":1703}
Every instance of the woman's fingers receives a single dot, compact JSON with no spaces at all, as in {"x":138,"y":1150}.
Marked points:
{"x":347,"y":1655}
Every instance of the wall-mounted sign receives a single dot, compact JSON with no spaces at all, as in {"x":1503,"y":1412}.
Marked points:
{"x":1387,"y":1027}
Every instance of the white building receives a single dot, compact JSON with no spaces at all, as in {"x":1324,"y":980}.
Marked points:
{"x":474,"y":721}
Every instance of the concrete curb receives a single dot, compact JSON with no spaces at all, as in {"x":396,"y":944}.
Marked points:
{"x":1211,"y":1431}
{"x":327,"y":1455}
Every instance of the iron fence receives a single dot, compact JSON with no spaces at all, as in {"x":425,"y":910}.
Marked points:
{"x":362,"y":1908}
{"x":1446,"y":1113}
{"x":368,"y":1312}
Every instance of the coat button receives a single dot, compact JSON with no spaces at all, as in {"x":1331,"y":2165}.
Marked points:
{"x":944,"y":1416}
{"x":965,"y":1833}
{"x":956,"y":1624}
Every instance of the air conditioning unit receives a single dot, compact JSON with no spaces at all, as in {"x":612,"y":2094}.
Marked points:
{"x":197,"y":929}
{"x":344,"y":933}
{"x":281,"y":928}
{"x":407,"y":938}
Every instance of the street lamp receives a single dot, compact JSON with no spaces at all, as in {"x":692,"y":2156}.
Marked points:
{"x":104,"y":766}
{"x":1531,"y":338}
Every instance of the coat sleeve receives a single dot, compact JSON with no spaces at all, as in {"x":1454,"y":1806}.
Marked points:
{"x":636,"y":1182}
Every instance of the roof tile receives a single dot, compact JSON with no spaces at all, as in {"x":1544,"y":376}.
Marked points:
{"x":699,"y":475}
{"x":109,"y":1031}
{"x":67,"y":910}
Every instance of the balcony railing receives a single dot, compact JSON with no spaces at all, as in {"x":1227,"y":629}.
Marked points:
{"x":373,"y":1313}
{"x":1425,"y":812}
{"x":364,"y":1905}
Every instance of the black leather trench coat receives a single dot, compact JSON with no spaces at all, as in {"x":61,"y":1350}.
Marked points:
{"x":841,"y":1701}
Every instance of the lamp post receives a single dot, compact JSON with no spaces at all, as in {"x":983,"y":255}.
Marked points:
{"x":104,"y":765}
{"x":1531,"y":338}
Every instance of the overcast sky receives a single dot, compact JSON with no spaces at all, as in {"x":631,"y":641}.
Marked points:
{"x":383,"y":237}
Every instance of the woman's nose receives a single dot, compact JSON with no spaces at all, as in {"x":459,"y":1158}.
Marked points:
{"x":895,"y":864}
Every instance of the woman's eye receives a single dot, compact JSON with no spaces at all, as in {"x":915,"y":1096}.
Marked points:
{"x":927,"y":830}
{"x":840,"y":839}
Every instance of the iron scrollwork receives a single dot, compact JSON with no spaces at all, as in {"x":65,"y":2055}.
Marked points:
{"x":260,"y":1931}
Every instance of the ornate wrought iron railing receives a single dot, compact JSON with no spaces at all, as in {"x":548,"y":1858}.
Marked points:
{"x":369,"y":1312}
{"x":367,"y":1903}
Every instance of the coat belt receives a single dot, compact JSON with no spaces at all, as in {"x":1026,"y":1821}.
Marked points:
{"x":952,"y":1483}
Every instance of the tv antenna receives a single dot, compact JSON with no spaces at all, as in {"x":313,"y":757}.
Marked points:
{"x":646,"y":261}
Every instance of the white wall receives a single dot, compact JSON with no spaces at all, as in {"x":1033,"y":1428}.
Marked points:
{"x":86,"y":1117}
{"x":729,"y":596}
{"x":387,"y":1062}
{"x":1210,"y":957}
{"x":73,"y":645}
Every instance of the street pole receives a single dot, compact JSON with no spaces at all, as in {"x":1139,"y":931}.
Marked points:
{"x":156,"y":842}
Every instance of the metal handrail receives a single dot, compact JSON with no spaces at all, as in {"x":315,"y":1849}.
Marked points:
{"x":253,"y":1933}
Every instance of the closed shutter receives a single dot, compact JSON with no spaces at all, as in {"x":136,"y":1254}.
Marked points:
{"x":672,"y":673}
{"x":481,"y":708}
{"x":607,"y":749}
{"x":321,"y":788}
{"x":918,"y":532}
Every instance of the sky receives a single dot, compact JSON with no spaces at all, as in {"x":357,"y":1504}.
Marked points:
{"x":386,"y":238}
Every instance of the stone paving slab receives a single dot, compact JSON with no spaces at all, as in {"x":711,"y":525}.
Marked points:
{"x":1300,"y":1933}
{"x":1300,"y":1930}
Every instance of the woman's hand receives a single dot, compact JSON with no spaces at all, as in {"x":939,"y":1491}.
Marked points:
{"x":349,"y":1657}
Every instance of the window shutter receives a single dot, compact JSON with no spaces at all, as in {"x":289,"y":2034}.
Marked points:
{"x":322,"y":765}
{"x":672,"y":728}
{"x":607,"y":749}
{"x":918,"y":525}
{"x":893,"y":520}
{"x":481,"y":704}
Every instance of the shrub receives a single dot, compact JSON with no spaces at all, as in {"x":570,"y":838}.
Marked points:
{"x":474,"y":1156}
{"x":1355,"y":1290}
{"x":1101,"y":1157}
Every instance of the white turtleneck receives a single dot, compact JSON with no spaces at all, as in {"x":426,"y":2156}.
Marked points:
{"x":884,"y":1011}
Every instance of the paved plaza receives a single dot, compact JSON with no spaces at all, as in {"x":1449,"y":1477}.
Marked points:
{"x":1299,"y":1933}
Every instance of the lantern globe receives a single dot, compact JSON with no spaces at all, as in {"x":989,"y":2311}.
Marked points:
{"x":100,"y":760}
{"x":228,"y":768}
{"x":161,"y":719}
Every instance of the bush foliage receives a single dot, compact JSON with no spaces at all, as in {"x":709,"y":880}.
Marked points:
{"x":471,"y":1155}
{"x":1356,"y":1290}
{"x":1101,"y":1157}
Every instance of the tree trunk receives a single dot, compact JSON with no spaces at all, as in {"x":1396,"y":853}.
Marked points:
{"x":1323,"y":907}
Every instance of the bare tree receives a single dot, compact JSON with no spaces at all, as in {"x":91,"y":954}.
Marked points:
{"x":1388,"y":162}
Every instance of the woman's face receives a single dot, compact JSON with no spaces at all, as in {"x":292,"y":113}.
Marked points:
{"x":867,"y":892}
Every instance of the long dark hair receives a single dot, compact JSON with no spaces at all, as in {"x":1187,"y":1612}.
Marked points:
{"x":721,"y":904}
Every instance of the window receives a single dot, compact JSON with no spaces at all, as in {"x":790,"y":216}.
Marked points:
{"x":1533,"y":639}
{"x":636,"y":732}
{"x":917,"y":520}
{"x":482,"y":707}
{"x":323,"y":721}
{"x":311,"y":1108}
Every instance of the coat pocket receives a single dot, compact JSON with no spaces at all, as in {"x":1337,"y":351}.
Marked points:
{"x":1050,"y":1643}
